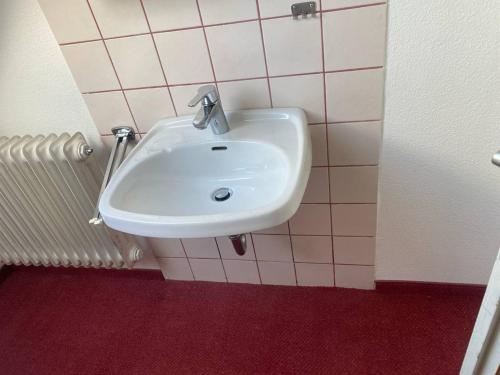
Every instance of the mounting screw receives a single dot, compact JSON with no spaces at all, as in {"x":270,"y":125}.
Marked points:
{"x":84,"y":151}
{"x":87,"y":150}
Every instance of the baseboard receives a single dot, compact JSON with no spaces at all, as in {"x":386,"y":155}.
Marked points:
{"x":425,"y":287}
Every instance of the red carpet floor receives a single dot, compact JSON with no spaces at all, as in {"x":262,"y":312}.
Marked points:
{"x":110,"y":322}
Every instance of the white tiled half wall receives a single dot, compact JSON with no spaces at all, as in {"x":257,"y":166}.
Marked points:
{"x":136,"y":62}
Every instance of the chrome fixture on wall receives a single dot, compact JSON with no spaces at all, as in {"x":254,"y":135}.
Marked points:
{"x":123,"y":134}
{"x":239,"y":242}
{"x":303,"y":9}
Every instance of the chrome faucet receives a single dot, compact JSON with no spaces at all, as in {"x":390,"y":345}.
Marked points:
{"x":211,"y":112}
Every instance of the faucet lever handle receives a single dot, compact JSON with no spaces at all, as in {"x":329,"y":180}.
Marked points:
{"x":208,"y":92}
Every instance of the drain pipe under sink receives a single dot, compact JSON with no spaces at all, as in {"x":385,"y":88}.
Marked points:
{"x":239,"y":242}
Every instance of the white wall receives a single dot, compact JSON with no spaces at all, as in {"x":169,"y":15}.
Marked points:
{"x":37,"y":92}
{"x":439,"y":211}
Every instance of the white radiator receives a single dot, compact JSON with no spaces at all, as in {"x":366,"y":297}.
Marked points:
{"x":48,"y":189}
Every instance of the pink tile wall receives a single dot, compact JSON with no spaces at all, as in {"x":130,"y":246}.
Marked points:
{"x":136,"y":62}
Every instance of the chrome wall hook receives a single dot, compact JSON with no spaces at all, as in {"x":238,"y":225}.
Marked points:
{"x":303,"y":9}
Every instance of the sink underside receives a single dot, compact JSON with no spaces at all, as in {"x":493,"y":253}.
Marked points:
{"x":183,"y":182}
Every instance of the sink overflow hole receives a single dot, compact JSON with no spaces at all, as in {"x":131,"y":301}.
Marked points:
{"x":219,"y":148}
{"x":222,"y":194}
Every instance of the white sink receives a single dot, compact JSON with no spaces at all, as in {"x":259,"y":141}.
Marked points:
{"x":165,"y":187}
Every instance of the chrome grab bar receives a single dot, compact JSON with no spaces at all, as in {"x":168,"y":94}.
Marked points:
{"x":123,"y":134}
{"x":496,"y":159}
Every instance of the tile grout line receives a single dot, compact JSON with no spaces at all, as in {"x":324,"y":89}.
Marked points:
{"x":354,"y":7}
{"x":291,"y":249}
{"x":113,"y":66}
{"x":247,"y":79}
{"x":208,"y":47}
{"x":255,"y":254}
{"x":192,"y":83}
{"x":272,"y":261}
{"x":347,"y":70}
{"x":79,"y":42}
{"x":333,"y":204}
{"x":293,"y":256}
{"x":158,"y":56}
{"x":185,"y":253}
{"x":221,"y":24}
{"x":316,"y":235}
{"x":342,"y":165}
{"x":326,"y":235}
{"x":355,"y":264}
{"x":264,"y":52}
{"x":326,"y":135}
{"x":268,"y":261}
{"x":220,"y":258}
{"x":352,"y":121}
{"x":337,"y":203}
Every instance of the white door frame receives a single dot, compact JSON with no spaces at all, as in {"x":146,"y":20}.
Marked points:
{"x":483,"y":353}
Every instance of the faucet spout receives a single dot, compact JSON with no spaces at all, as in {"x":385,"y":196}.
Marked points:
{"x":211,"y":112}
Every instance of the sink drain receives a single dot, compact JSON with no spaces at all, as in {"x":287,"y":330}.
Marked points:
{"x":222,"y":194}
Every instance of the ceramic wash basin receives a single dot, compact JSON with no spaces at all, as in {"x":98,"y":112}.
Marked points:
{"x":183,"y":182}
